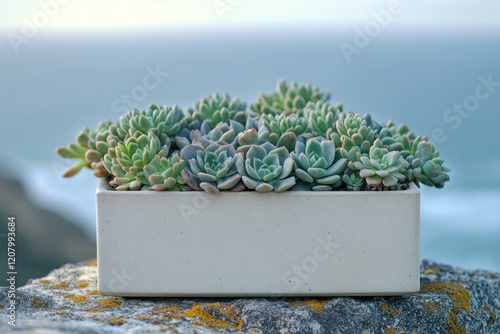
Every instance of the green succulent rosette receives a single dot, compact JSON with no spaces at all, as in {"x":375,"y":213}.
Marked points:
{"x":315,"y":165}
{"x":216,"y":109}
{"x":287,"y":99}
{"x":126,"y":161}
{"x":163,"y":174}
{"x":382,"y":168}
{"x":322,"y":117}
{"x":89,"y":149}
{"x":353,"y":181}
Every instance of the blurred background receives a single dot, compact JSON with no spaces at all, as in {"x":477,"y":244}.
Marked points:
{"x":66,"y":64}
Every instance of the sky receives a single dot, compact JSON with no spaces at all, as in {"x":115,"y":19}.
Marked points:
{"x":123,"y":14}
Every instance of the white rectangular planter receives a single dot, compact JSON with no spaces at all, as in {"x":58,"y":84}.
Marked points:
{"x":252,"y":244}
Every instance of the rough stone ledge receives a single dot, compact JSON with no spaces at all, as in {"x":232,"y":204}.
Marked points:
{"x":451,"y":300}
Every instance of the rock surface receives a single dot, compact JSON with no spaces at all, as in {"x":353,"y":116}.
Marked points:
{"x":451,"y":300}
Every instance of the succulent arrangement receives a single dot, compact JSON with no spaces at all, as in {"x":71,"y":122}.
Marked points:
{"x":290,"y":139}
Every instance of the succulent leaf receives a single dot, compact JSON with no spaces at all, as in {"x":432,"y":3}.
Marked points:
{"x":214,"y":165}
{"x":287,"y":99}
{"x":266,"y":168}
{"x":314,"y":163}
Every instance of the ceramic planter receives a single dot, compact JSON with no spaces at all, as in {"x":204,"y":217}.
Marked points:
{"x":252,"y":244}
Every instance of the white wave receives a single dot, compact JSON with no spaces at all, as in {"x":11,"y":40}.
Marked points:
{"x":73,"y":198}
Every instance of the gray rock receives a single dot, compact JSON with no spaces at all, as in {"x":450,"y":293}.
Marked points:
{"x":451,"y":300}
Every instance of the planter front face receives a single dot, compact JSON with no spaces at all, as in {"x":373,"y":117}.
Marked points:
{"x":253,"y":244}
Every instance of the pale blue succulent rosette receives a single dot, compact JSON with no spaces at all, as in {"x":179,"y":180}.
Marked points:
{"x":212,"y":168}
{"x":266,"y":168}
{"x":315,"y":164}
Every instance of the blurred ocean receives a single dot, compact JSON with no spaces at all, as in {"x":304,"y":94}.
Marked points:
{"x":59,"y":83}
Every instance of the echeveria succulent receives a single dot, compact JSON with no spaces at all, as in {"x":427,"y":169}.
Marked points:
{"x":322,"y":117}
{"x":432,"y":171}
{"x":211,"y":169}
{"x":354,"y":132}
{"x":266,"y":168}
{"x":208,"y":134}
{"x":127,"y":160}
{"x":161,"y":120}
{"x":288,"y":99}
{"x":353,"y":181}
{"x":314,"y":164}
{"x":283,"y":130}
{"x":397,"y":138}
{"x":382,"y":168}
{"x":90,"y":147}
{"x":328,"y":148}
{"x":163,"y":174}
{"x":218,"y":108}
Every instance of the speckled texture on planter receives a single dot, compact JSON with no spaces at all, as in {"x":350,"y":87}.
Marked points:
{"x":253,"y":244}
{"x":451,"y":300}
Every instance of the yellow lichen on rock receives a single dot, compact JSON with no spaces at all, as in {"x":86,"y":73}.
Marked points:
{"x":429,"y":272}
{"x":385,"y":307}
{"x":432,"y":305}
{"x":430,"y":308}
{"x":394,"y":313}
{"x":493,"y":315}
{"x":93,"y":293}
{"x":93,"y":264}
{"x":492,"y":319}
{"x":203,"y":313}
{"x":36,"y":302}
{"x":78,"y":299}
{"x":318,"y":306}
{"x":44,"y":281}
{"x":389,"y":331}
{"x":168,"y":311}
{"x":60,"y":286}
{"x":83,"y":285}
{"x":460,"y":298}
{"x":117,"y":321}
{"x":94,"y":310}
{"x":109,"y":303}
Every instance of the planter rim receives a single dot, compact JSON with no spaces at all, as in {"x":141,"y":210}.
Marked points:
{"x":103,"y":188}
